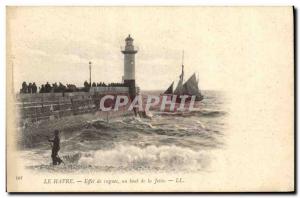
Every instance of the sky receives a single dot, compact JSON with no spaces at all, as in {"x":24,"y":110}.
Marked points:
{"x":55,"y":44}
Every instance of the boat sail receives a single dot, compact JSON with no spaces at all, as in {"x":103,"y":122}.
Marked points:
{"x":179,"y":87}
{"x":190,"y":87}
{"x":170,"y":89}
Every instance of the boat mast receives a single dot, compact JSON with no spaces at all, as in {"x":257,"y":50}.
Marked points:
{"x":179,"y":87}
{"x":182,"y":70}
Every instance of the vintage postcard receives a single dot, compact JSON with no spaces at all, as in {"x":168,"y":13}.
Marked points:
{"x":150,"y":99}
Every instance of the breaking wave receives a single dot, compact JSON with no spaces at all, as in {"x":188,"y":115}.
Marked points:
{"x":132,"y":158}
{"x":148,"y":158}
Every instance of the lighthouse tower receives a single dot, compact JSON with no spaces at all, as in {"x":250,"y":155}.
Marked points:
{"x":129,"y":66}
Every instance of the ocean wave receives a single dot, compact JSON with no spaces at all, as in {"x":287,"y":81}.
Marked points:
{"x":141,"y":126}
{"x":123,"y":158}
{"x":167,"y":141}
{"x":200,"y":113}
{"x":148,"y":158}
{"x":209,"y":113}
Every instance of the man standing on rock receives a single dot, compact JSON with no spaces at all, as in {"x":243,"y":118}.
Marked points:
{"x":55,"y":148}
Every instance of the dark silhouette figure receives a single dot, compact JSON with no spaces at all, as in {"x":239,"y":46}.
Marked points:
{"x":34,"y":87}
{"x":55,"y":148}
{"x":29,"y":88}
{"x":86,"y":86}
{"x":24,"y":87}
{"x":48,"y":88}
{"x":42,"y":90}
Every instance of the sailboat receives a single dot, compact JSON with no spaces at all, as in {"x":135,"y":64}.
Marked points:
{"x":189,"y":88}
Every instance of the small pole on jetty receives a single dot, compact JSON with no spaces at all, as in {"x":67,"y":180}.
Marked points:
{"x":107,"y":120}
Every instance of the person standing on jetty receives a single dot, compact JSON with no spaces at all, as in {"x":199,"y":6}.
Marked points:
{"x":55,"y":148}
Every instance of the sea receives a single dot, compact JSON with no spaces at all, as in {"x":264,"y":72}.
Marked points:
{"x":163,"y":142}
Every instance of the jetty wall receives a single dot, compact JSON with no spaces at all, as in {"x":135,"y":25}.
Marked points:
{"x":45,"y":106}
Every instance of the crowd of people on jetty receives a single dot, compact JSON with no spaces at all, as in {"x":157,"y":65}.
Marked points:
{"x":32,"y":88}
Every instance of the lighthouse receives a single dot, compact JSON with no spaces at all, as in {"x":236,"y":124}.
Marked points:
{"x":129,"y":65}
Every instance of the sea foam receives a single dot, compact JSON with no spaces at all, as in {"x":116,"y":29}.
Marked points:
{"x":147,"y":158}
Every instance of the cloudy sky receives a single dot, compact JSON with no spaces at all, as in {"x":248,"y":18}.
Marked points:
{"x":55,"y":44}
